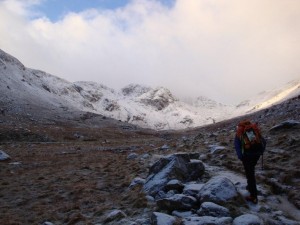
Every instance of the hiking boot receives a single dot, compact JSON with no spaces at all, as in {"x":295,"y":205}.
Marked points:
{"x":252,"y":199}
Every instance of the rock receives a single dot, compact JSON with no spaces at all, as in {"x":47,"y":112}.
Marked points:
{"x":145,"y":156}
{"x":137,"y":181}
{"x":132,"y":156}
{"x":165,"y":147}
{"x":216,"y":148}
{"x":212,"y":209}
{"x":177,"y":166}
{"x":194,"y":155}
{"x":115,"y":215}
{"x":162,"y":219}
{"x":171,"y":193}
{"x":182,"y":214}
{"x":159,"y":165}
{"x":192,"y":189}
{"x":207,"y":220}
{"x":141,"y":221}
{"x":150,"y":198}
{"x":177,"y":202}
{"x":219,"y":189}
{"x":135,"y":90}
{"x":203,"y":157}
{"x":4,"y":156}
{"x":174,"y":185}
{"x":159,"y":98}
{"x":160,"y":195}
{"x":196,"y":169}
{"x":47,"y":223}
{"x":247,"y":219}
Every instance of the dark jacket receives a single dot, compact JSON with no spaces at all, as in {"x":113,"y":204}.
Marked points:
{"x":241,"y":154}
{"x":238,"y":147}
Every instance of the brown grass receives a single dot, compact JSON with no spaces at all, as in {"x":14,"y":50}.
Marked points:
{"x":58,"y":183}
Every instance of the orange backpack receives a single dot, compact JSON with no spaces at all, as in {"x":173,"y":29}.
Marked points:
{"x":250,"y":136}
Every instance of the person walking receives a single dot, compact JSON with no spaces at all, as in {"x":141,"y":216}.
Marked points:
{"x":249,"y":145}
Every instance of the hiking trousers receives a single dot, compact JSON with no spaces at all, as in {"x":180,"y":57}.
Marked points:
{"x":249,"y":163}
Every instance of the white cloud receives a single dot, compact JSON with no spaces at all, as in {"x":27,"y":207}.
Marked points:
{"x":228,"y":50}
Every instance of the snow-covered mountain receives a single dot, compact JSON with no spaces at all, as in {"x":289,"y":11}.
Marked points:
{"x":268,"y":98}
{"x":22,"y":88}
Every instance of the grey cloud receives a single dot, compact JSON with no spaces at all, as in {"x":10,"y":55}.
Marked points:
{"x":227,"y":50}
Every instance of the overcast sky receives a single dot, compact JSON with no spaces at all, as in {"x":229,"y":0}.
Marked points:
{"x":226,"y":50}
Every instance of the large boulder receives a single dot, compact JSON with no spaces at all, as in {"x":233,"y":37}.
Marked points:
{"x":218,"y":190}
{"x":177,"y":166}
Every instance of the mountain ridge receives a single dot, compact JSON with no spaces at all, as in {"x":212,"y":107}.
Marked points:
{"x":141,"y":105}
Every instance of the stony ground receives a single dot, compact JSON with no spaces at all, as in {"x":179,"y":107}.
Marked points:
{"x":75,"y":174}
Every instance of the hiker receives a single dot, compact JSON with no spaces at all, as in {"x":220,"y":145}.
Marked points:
{"x":249,"y":146}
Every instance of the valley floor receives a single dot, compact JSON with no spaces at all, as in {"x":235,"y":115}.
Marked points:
{"x":76,"y":174}
{"x":79,"y":182}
